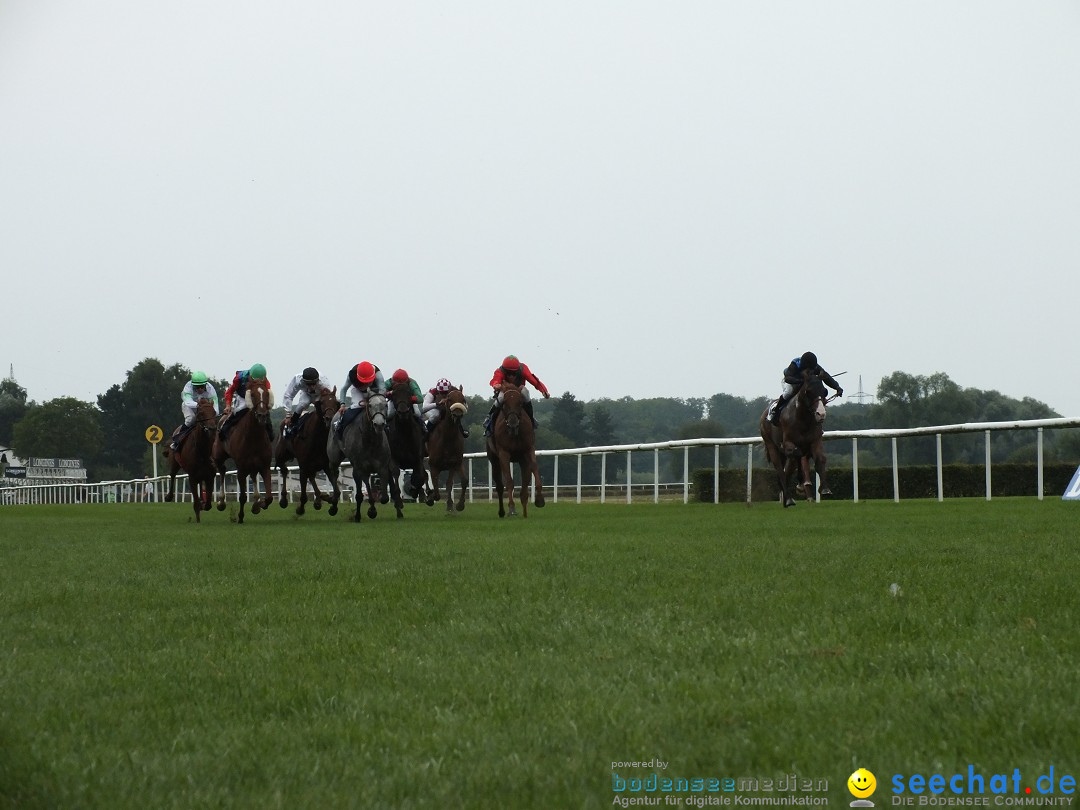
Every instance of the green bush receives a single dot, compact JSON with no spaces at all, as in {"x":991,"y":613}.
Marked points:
{"x":958,"y":481}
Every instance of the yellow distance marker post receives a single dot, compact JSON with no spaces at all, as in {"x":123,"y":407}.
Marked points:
{"x":154,"y":434}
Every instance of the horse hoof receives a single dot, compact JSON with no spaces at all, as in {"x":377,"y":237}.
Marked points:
{"x":789,"y":502}
{"x":372,"y":513}
{"x":221,"y":506}
{"x":540,"y":503}
{"x":825,"y":491}
{"x":283,"y":502}
{"x":300,"y":510}
{"x":168,"y":498}
{"x":460,"y":507}
{"x":333,"y":510}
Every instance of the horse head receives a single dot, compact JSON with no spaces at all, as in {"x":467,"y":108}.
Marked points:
{"x":260,"y":399}
{"x":455,"y":404}
{"x":375,"y":411}
{"x":513,"y":406}
{"x":813,"y":396}
{"x":205,"y":416}
{"x":327,"y":404}
{"x":401,"y":395}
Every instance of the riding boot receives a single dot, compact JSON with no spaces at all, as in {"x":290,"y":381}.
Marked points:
{"x":774,"y":414}
{"x":529,"y":411}
{"x":489,"y":420}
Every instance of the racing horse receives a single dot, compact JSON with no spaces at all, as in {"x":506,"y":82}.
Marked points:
{"x":248,"y":445}
{"x":407,"y":442}
{"x":193,"y":456}
{"x":512,"y":440}
{"x":307,"y":445}
{"x":364,"y":443}
{"x":446,"y":450}
{"x":791,"y":444}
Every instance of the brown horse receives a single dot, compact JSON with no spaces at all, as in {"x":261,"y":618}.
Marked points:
{"x":407,"y":442}
{"x":307,"y":446}
{"x":248,"y":445}
{"x":446,"y":450}
{"x":193,"y":456}
{"x":363,"y":442}
{"x":791,"y":444}
{"x":512,"y":440}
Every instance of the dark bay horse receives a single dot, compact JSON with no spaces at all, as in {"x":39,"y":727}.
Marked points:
{"x":407,"y":441}
{"x":248,"y":445}
{"x":194,"y":457}
{"x":307,"y":446}
{"x":364,"y":443}
{"x":512,"y":440}
{"x":791,"y":444}
{"x":446,"y":450}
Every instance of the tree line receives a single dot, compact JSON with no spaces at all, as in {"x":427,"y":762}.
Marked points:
{"x":108,"y":435}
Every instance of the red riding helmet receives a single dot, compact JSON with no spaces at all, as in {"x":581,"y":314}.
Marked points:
{"x":365,"y":372}
{"x":400,"y":376}
{"x":511,"y":363}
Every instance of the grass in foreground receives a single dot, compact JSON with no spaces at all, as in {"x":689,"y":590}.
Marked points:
{"x":470,"y":662}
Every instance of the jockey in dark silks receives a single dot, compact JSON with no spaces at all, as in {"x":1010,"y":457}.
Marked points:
{"x":513,"y":371}
{"x":793,"y":381}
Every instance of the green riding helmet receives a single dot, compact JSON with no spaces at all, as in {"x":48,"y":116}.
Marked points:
{"x":257,"y":372}
{"x":198,"y":378}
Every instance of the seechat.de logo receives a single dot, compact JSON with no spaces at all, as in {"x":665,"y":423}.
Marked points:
{"x":862,"y":785}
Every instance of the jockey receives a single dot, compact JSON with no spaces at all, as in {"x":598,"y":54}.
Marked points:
{"x":299,"y":393}
{"x":793,"y":381}
{"x":514,"y":371}
{"x":433,"y":399}
{"x":235,"y":401}
{"x":363,"y":380}
{"x":402,"y":376}
{"x":197,"y":388}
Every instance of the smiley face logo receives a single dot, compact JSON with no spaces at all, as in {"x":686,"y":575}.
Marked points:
{"x":861,"y":783}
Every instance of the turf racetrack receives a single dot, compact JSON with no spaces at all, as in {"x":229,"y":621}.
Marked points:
{"x":149,"y":662}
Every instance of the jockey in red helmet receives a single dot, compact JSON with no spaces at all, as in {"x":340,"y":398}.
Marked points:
{"x":513,"y":370}
{"x":793,"y":381}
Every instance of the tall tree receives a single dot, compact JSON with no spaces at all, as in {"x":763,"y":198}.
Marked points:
{"x":149,"y":396}
{"x":61,"y":428}
{"x":568,"y":419}
{"x":13,"y":407}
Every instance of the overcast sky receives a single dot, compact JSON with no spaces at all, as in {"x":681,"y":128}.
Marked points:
{"x":636,"y":198}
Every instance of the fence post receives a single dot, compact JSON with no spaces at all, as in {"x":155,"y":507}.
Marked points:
{"x":855,"y":467}
{"x":988,"y":465}
{"x":895,"y":474}
{"x":940,"y":487}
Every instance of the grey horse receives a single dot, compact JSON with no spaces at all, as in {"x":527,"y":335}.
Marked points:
{"x":364,"y":443}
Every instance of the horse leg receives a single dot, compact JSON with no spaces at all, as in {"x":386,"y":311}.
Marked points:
{"x":196,"y":498}
{"x":332,"y":477}
{"x":300,"y":507}
{"x":241,"y":494}
{"x":526,"y":479}
{"x":820,"y":463}
{"x":395,"y":496}
{"x":221,"y":491}
{"x":461,"y":488}
{"x":540,"y":502}
{"x":785,"y":481}
{"x":508,"y":485}
{"x":807,"y":485}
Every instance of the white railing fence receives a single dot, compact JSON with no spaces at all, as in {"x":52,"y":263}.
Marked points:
{"x":153,"y":489}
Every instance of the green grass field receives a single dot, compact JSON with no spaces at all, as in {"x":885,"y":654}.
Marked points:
{"x":149,"y":662}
